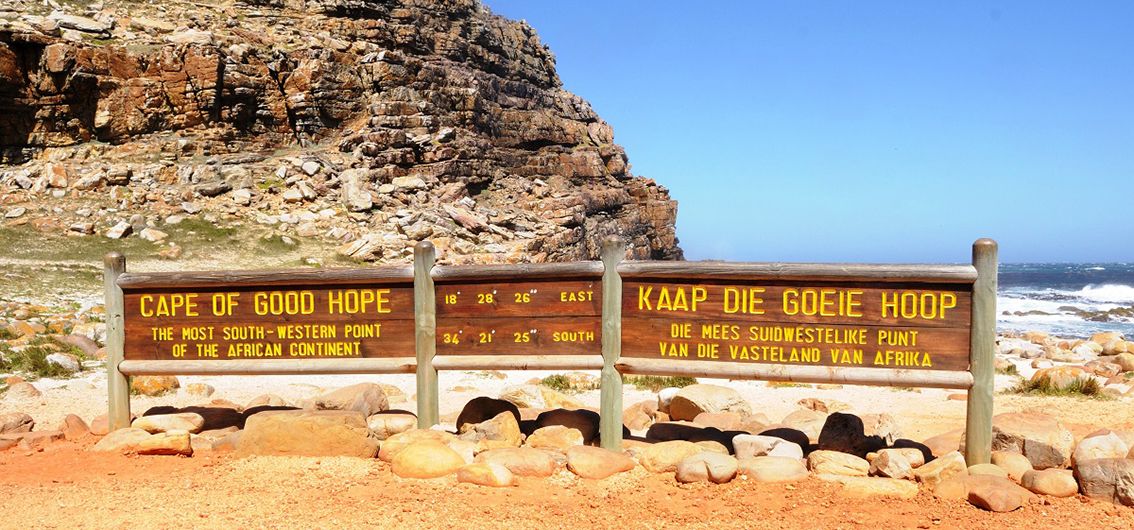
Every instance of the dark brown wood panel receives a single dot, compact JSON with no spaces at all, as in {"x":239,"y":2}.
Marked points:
{"x":520,"y":336}
{"x":298,"y":322}
{"x":519,"y":299}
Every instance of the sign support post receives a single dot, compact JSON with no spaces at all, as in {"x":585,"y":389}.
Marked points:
{"x":425,"y":334}
{"x":118,"y":415}
{"x":610,"y":408}
{"x":978,"y":422}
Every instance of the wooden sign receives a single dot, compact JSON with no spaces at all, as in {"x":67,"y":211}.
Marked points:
{"x":845,"y":324}
{"x":559,"y":317}
{"x":269,"y":322}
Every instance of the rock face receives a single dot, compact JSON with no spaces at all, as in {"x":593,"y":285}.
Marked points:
{"x":431,"y":118}
{"x":1109,"y":479}
{"x":1041,"y":438}
{"x":308,"y":433}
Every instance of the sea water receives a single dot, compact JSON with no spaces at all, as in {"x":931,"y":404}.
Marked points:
{"x":1066,"y":299}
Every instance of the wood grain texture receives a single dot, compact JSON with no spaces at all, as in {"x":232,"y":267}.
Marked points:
{"x":708,"y":270}
{"x":799,"y":374}
{"x":583,"y":270}
{"x":610,"y":397}
{"x":266,"y":278}
{"x":118,"y":388}
{"x":518,"y":362}
{"x":393,"y":365}
{"x":519,"y":299}
{"x":978,"y":420}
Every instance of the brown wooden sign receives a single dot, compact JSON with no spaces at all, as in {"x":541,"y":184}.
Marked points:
{"x":561,"y":317}
{"x":270,"y":322}
{"x":906,"y":326}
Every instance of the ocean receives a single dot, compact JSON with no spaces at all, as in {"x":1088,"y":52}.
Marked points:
{"x":1070,"y":300}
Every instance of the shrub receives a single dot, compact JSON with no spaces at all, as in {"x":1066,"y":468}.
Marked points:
{"x":1044,"y":386}
{"x":558,"y":382}
{"x":654,"y":383}
{"x":32,"y":359}
{"x":1009,"y":369}
{"x":6,"y":333}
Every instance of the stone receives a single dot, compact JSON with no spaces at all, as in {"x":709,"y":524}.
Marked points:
{"x":1109,"y":445}
{"x":15,"y":422}
{"x":772,"y":469}
{"x":426,"y":459}
{"x":500,"y":431}
{"x":663,"y":457}
{"x":997,"y":494}
{"x":945,"y":443}
{"x":267,"y":400}
{"x":308,"y":433}
{"x":486,"y":474}
{"x":640,"y":415}
{"x":189,"y":422}
{"x":806,"y":421}
{"x":367,"y":398}
{"x":100,"y":426}
{"x":190,"y":36}
{"x":22,"y":391}
{"x":154,"y":385}
{"x":582,"y":420}
{"x":121,"y":441}
{"x":846,"y":433}
{"x":1125,"y":361}
{"x":119,"y":230}
{"x":944,"y":467}
{"x":166,"y":443}
{"x":1053,"y":482}
{"x":869,"y":487}
{"x":522,"y":461}
{"x":555,"y":438}
{"x":388,"y":423}
{"x":706,"y":466}
{"x":78,"y":23}
{"x":695,"y":399}
{"x":914,"y":455}
{"x":1108,"y":479}
{"x":1015,"y":464}
{"x":199,"y":389}
{"x":1061,"y":377}
{"x":836,"y":463}
{"x":73,"y":428}
{"x":408,"y":183}
{"x":987,"y":469}
{"x":31,"y":441}
{"x":751,"y":446}
{"x":402,"y":440}
{"x":65,"y":361}
{"x":485,"y":408}
{"x":597,"y":463}
{"x":355,"y":196}
{"x":891,"y":463}
{"x":1042,"y":438}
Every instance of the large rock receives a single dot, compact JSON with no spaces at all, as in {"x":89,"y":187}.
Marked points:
{"x":706,"y":466}
{"x":74,"y":428}
{"x":868,"y":487}
{"x":1053,"y":482}
{"x":14,"y":422}
{"x":1108,"y":479}
{"x":166,"y":443}
{"x":186,"y":421}
{"x":583,"y":420}
{"x":773,"y":469}
{"x":640,"y":415}
{"x":836,"y":463}
{"x":997,"y":494}
{"x":308,"y":433}
{"x":426,"y":459}
{"x":367,"y":398}
{"x":485,"y":408}
{"x":891,"y":463}
{"x":1040,"y":437}
{"x":522,"y":461}
{"x":22,"y":391}
{"x":663,"y":457}
{"x":397,"y":442}
{"x":1108,"y":445}
{"x":695,"y":399}
{"x":538,"y":397}
{"x":945,"y":443}
{"x":486,"y":474}
{"x":1015,"y":464}
{"x":388,"y":423}
{"x":121,"y":441}
{"x":500,"y":431}
{"x":807,"y":421}
{"x":751,"y":446}
{"x":943,"y":468}
{"x":846,"y":433}
{"x":154,"y":385}
{"x":596,"y":462}
{"x":555,"y":438}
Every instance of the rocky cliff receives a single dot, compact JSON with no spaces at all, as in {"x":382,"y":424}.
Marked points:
{"x":376,"y":123}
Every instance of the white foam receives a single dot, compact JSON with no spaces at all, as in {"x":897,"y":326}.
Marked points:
{"x":1107,"y":293}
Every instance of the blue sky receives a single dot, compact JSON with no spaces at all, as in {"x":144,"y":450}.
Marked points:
{"x":866,"y":131}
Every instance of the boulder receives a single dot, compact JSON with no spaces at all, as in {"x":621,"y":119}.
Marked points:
{"x":482,"y":408}
{"x":1015,"y":464}
{"x":596,"y":462}
{"x":1053,"y":482}
{"x":914,"y":455}
{"x":751,"y":446}
{"x":663,"y":457}
{"x":186,"y":421}
{"x":367,"y":398}
{"x":486,"y":474}
{"x":308,"y":433}
{"x":22,"y":391}
{"x":426,"y":459}
{"x":706,"y":466}
{"x":166,"y":443}
{"x":695,"y":399}
{"x":199,"y":389}
{"x":1108,"y":479}
{"x":772,"y":469}
{"x":388,"y":423}
{"x":400,"y":441}
{"x":522,"y":461}
{"x":29,"y":441}
{"x":807,"y":421}
{"x":1040,"y":437}
{"x":555,"y":438}
{"x":794,"y":436}
{"x":538,"y":397}
{"x":501,"y":431}
{"x":997,"y":494}
{"x":583,"y":420}
{"x":987,"y":469}
{"x":1108,"y":445}
{"x":944,"y":443}
{"x":267,"y":400}
{"x":944,"y":467}
{"x":73,"y":427}
{"x":640,"y":415}
{"x":15,"y":422}
{"x":845,"y":433}
{"x":121,"y":441}
{"x":891,"y":463}
{"x":867,"y":487}
{"x":154,"y":385}
{"x":836,"y":463}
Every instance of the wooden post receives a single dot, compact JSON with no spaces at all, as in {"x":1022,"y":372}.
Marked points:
{"x":982,"y":337}
{"x":610,"y":407}
{"x":425,"y":334}
{"x":118,"y":413}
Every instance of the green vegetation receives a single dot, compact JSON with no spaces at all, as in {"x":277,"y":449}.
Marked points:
{"x":654,"y":383}
{"x":32,"y":359}
{"x":6,"y":333}
{"x":558,"y":382}
{"x":1044,"y":386}
{"x":1009,"y":369}
{"x":787,"y":384}
{"x":275,"y":243}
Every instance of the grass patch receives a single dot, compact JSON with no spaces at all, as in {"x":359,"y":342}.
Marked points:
{"x":275,"y":243}
{"x":1044,"y":386}
{"x":557,"y":382}
{"x":1009,"y":369}
{"x":200,"y":230}
{"x":905,"y":389}
{"x":6,"y":333}
{"x":570,"y":384}
{"x":787,"y":384}
{"x":32,"y":359}
{"x":654,"y":383}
